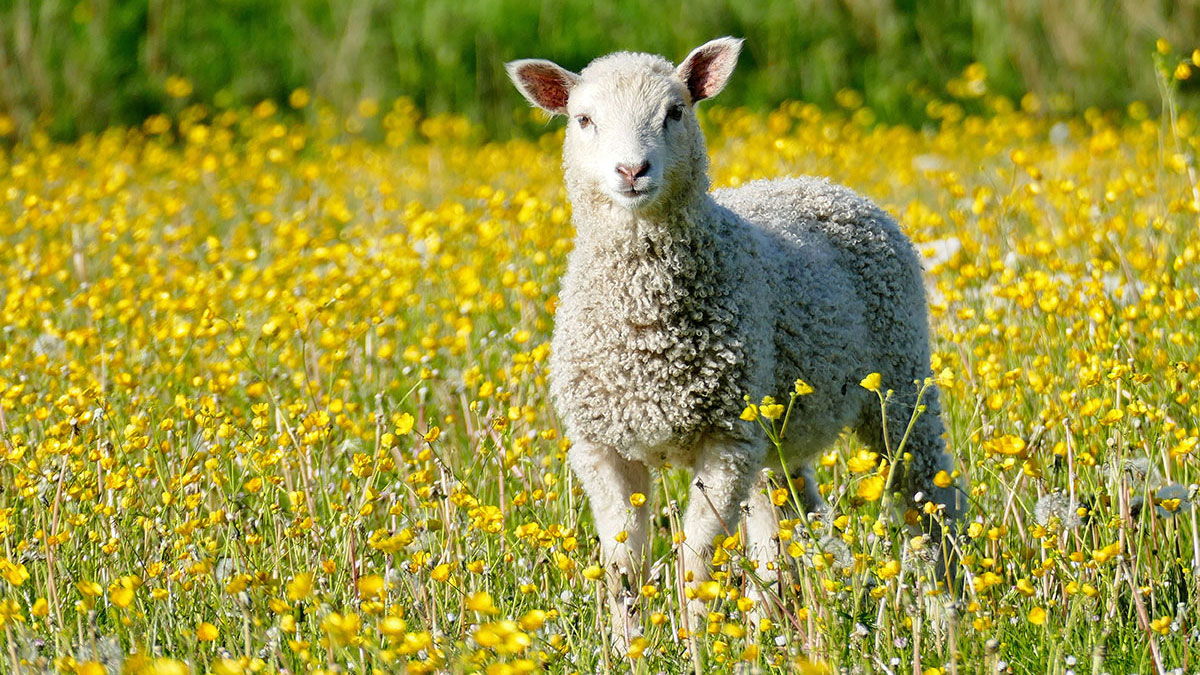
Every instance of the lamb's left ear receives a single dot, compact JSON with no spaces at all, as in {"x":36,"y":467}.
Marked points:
{"x":706,"y":70}
{"x":545,"y":84}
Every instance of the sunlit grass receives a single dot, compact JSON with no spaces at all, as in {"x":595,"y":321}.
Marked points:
{"x":272,"y":396}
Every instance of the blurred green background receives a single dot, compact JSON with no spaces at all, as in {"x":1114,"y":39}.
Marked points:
{"x":80,"y":65}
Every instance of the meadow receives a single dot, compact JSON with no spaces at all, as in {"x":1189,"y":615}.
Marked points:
{"x":273,"y":399}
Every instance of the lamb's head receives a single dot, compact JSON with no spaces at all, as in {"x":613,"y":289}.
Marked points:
{"x":632,"y":135}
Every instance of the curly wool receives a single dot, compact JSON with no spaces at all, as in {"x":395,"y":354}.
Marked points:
{"x":663,"y":327}
{"x":678,"y":303}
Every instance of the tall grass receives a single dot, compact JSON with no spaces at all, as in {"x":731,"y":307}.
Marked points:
{"x":85,"y":65}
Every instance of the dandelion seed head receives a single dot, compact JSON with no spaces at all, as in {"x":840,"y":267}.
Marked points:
{"x":1057,"y":507}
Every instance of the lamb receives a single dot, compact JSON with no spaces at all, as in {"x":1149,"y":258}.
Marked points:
{"x":678,"y":302}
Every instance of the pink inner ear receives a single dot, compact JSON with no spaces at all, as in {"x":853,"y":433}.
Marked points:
{"x":708,"y":70}
{"x":546,"y":85}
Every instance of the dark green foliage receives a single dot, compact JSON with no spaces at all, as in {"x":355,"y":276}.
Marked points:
{"x":87,"y":64}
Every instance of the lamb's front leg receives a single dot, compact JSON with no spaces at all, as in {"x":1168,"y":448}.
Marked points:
{"x":609,"y":480}
{"x":721,"y":481}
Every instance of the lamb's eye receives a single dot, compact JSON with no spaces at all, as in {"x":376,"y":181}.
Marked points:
{"x":674,"y":113}
{"x":584,"y":121}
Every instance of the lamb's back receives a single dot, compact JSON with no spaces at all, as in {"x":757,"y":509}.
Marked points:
{"x":865,"y":241}
{"x":806,"y":204}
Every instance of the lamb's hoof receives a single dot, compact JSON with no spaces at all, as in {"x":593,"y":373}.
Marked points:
{"x":697,"y":614}
{"x":941,"y":612}
{"x":766,"y":606}
{"x":625,"y":631}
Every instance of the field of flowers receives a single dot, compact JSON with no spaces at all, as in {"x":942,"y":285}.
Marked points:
{"x":273,"y":398}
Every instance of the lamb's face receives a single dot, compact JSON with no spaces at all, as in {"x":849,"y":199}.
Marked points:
{"x":630,"y":128}
{"x":631,"y":133}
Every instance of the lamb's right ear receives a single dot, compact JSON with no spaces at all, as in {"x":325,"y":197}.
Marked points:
{"x":544,"y":83}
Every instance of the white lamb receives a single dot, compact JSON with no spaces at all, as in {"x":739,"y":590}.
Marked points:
{"x":677,"y":303}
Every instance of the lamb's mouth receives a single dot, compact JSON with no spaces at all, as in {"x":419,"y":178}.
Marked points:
{"x":634,"y":194}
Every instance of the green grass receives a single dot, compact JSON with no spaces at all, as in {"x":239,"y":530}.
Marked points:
{"x":82,"y":66}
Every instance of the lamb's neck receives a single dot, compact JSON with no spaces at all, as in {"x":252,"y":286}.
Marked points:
{"x":683,"y":231}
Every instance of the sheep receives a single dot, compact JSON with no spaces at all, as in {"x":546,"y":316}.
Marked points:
{"x":677,"y":302}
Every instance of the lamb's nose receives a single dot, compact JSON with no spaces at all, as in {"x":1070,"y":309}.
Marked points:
{"x":632,"y":173}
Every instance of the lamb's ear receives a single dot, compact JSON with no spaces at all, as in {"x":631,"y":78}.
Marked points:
{"x":706,"y":70}
{"x":547,"y":85}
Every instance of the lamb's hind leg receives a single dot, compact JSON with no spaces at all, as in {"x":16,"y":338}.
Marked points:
{"x":917,"y":465}
{"x":609,"y":480}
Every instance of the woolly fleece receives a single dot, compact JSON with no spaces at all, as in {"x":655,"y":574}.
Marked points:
{"x":678,"y":302}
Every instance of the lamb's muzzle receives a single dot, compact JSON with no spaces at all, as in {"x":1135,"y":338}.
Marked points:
{"x":677,"y":302}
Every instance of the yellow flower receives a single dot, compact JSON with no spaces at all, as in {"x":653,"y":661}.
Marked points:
{"x":779,"y":496}
{"x":299,"y":98}
{"x":14,"y":573}
{"x":637,"y":499}
{"x":1005,"y":445}
{"x":1037,"y":616}
{"x":441,"y":572}
{"x":750,"y":413}
{"x":206,"y":632}
{"x":178,"y":87}
{"x":393,"y":626}
{"x":341,"y":628}
{"x":889,"y":570}
{"x":370,"y":586}
{"x":403,"y":423}
{"x":637,"y":647}
{"x":593,"y":572}
{"x":772,"y":411}
{"x":1161,"y":625}
{"x":482,"y":603}
{"x":1106,"y":553}
{"x":157,"y":667}
{"x":945,"y":378}
{"x":862,"y":462}
{"x":533,"y":619}
{"x":806,"y":667}
{"x":226,"y":667}
{"x":942,"y":479}
{"x":1025,"y":587}
{"x":300,"y":587}
{"x":870,"y":488}
{"x":872,"y":382}
{"x":803,"y":388}
{"x":708,"y":591}
{"x":121,"y":595}
{"x":10,"y":612}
